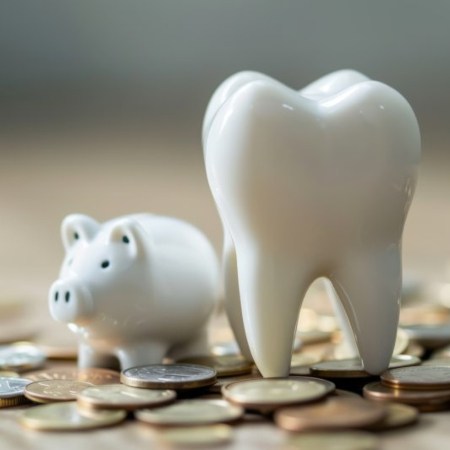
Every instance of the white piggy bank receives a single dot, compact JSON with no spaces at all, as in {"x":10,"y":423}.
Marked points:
{"x":138,"y":288}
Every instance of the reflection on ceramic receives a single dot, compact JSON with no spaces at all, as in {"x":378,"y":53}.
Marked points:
{"x":311,"y":183}
{"x":138,"y":287}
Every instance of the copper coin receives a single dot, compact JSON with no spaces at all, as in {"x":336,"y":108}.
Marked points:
{"x":399,"y":415}
{"x":169,"y":376}
{"x":353,"y":368}
{"x":420,"y":398}
{"x":418,"y":377}
{"x":54,"y":390}
{"x":225,"y":366}
{"x":334,"y":413}
{"x":90,"y":375}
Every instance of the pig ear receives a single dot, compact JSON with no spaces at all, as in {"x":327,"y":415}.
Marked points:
{"x":78,"y":228}
{"x":130,"y":233}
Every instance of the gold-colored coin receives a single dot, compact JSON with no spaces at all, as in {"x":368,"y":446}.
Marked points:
{"x":225,"y":366}
{"x":54,"y":390}
{"x":92,"y":375}
{"x":348,"y":440}
{"x":191,"y":412}
{"x":65,"y":416}
{"x":221,"y":382}
{"x":198,"y":436}
{"x":8,"y":374}
{"x":12,"y":391}
{"x":169,"y":376}
{"x":334,"y":413}
{"x":353,"y":368}
{"x":20,"y":357}
{"x":424,"y":400}
{"x":418,"y":377}
{"x":398,"y":415}
{"x":276,"y":392}
{"x":119,"y":396}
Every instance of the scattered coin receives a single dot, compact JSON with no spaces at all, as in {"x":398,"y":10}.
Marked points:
{"x":424,"y":313}
{"x":437,"y":362}
{"x":414,"y":349}
{"x":348,"y":440}
{"x":353,"y":368}
{"x":276,"y":392}
{"x":217,"y":387}
{"x":344,"y":393}
{"x":9,"y":374}
{"x":197,"y":436}
{"x":12,"y":391}
{"x":169,"y":376}
{"x":418,"y":377}
{"x":424,"y":400}
{"x":431,"y":336}
{"x":398,"y":415}
{"x":54,"y":390}
{"x":119,"y":396}
{"x":20,"y":357}
{"x":91,"y":375}
{"x":65,"y":416}
{"x":225,"y":366}
{"x":191,"y":412}
{"x":334,"y":413}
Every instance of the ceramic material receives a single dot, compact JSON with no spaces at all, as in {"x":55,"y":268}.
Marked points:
{"x":139,"y":287}
{"x":308,"y":184}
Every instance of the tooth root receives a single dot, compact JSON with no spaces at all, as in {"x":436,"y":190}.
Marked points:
{"x":232,"y":298}
{"x":271,"y":290}
{"x":369,"y":287}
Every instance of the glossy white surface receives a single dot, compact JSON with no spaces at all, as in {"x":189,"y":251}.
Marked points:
{"x":138,"y":287}
{"x":308,"y":184}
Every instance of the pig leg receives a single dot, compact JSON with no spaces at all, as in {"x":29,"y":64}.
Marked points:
{"x":141,"y":354}
{"x":88,"y":357}
{"x":195,"y":346}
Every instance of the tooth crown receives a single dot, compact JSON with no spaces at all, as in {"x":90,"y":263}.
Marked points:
{"x":313,"y":183}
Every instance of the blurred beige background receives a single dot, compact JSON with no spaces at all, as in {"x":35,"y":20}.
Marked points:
{"x":101,"y":104}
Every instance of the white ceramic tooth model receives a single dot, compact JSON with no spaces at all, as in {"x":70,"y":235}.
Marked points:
{"x":311,"y":183}
{"x":138,"y":287}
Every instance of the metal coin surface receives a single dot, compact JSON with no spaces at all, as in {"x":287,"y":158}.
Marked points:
{"x":431,"y":336}
{"x":20,"y":357}
{"x":11,"y":388}
{"x":119,"y":396}
{"x":197,"y":436}
{"x":191,"y":412}
{"x":353,"y":368}
{"x":54,"y":390}
{"x":225,"y":366}
{"x":419,"y":398}
{"x":65,"y":416}
{"x":419,"y":377}
{"x":92,"y":375}
{"x":9,"y":374}
{"x":348,"y":440}
{"x":221,"y":382}
{"x":334,"y":413}
{"x":169,"y":376}
{"x":276,"y":392}
{"x":398,"y":415}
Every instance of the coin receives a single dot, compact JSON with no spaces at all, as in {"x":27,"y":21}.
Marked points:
{"x":217,"y":387}
{"x":276,"y":392}
{"x":225,"y":366}
{"x":12,"y":391}
{"x":334,"y":413}
{"x":54,"y":390}
{"x":65,"y":416}
{"x":418,"y":377}
{"x":169,"y":376}
{"x":191,"y":412}
{"x":431,"y":336}
{"x":422,"y":399}
{"x":90,"y":375}
{"x":8,"y":374}
{"x":198,"y":436}
{"x":424,"y":313}
{"x":415,"y":349}
{"x":398,"y":415}
{"x":119,"y":396}
{"x":313,"y":336}
{"x":353,"y":368}
{"x":20,"y":357}
{"x":348,"y":440}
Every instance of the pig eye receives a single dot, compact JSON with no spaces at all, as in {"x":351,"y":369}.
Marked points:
{"x":125,"y":240}
{"x":104,"y":264}
{"x":76,"y":236}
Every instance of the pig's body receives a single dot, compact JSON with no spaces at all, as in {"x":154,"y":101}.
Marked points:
{"x":138,"y":287}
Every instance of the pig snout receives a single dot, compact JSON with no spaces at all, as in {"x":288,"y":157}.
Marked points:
{"x":70,"y":301}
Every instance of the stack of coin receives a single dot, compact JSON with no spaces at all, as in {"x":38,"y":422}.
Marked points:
{"x":21,"y":357}
{"x":425,"y":387}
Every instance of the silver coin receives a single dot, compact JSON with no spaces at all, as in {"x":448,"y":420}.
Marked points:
{"x":20,"y":357}
{"x":12,"y":387}
{"x":169,"y":376}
